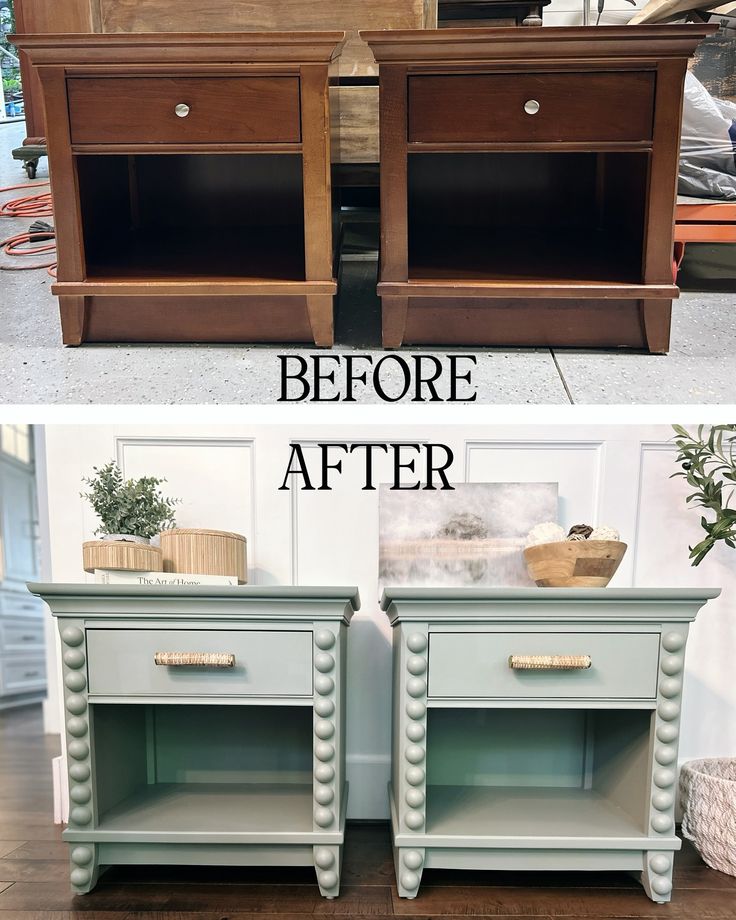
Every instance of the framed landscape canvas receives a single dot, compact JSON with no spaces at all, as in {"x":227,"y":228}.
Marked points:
{"x":469,"y":537}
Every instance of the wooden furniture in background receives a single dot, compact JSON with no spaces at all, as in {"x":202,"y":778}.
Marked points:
{"x":713,"y":63}
{"x":212,"y":763}
{"x":457,"y":14}
{"x":700,"y":220}
{"x":39,"y":16}
{"x":528,"y":184}
{"x":191,"y":184}
{"x":354,"y":101}
{"x":703,"y":220}
{"x":567,"y":767}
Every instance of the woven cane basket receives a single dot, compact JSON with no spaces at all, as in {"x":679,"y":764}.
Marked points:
{"x":205,"y":552}
{"x":708,"y":796}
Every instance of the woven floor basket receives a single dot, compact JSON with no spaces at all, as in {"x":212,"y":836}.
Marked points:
{"x":708,"y":796}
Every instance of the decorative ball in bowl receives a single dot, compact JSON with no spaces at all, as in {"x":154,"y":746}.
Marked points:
{"x":574,"y":563}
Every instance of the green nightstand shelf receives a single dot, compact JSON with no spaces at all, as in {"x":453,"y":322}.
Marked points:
{"x":204,"y":726}
{"x":537,"y":729}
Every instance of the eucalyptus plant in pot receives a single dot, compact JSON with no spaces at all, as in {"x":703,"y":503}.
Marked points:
{"x":707,"y":461}
{"x":131,"y":511}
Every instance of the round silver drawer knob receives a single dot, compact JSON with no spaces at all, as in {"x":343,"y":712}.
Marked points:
{"x":182,"y":110}
{"x":531,"y":107}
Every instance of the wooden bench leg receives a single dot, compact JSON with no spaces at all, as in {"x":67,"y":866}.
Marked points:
{"x":320,"y":311}
{"x":656,"y":319}
{"x":393,"y":313}
{"x":73,"y":312}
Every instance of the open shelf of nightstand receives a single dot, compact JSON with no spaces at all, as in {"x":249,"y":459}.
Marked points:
{"x":532,"y":812}
{"x":198,"y":769}
{"x":537,"y":773}
{"x":191,"y":216}
{"x":269,"y":810}
{"x":559,"y":255}
{"x":526,"y":217}
{"x":238,"y":253}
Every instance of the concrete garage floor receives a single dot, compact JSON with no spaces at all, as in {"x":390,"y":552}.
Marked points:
{"x":35,"y":368}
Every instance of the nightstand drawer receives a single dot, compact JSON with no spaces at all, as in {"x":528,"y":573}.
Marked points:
{"x":531,"y":107}
{"x":184,"y":110}
{"x":266,"y":663}
{"x":622,"y":665}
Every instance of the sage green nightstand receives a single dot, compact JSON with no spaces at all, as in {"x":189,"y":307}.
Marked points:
{"x":537,"y":729}
{"x":204,"y":726}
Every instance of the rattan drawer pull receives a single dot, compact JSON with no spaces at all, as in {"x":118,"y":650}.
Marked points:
{"x":195,"y":659}
{"x":549,"y":662}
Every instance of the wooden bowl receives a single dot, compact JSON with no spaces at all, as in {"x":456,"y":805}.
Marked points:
{"x":574,"y":563}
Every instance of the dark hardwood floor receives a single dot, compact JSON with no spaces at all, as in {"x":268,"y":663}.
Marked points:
{"x":34,"y":872}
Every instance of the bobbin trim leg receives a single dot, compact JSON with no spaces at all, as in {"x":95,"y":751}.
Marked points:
{"x":328,"y":866}
{"x":409,"y":864}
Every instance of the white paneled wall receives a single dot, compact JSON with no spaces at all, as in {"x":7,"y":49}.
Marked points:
{"x":228,"y":478}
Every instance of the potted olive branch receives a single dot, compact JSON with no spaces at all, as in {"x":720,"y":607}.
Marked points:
{"x":708,"y":465}
{"x":708,"y":786}
{"x":128,"y":509}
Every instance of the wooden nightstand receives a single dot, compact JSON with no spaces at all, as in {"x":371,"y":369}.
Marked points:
{"x":204,"y":726}
{"x":537,"y":729}
{"x":528,"y":184}
{"x":191,"y":184}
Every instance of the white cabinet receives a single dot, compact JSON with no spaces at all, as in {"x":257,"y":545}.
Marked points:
{"x":18,"y":524}
{"x":22,"y":658}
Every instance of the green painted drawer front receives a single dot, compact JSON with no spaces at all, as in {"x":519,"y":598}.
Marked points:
{"x":624,"y":665}
{"x":267,"y":663}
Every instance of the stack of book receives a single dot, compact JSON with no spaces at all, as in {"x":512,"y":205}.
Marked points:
{"x":155,"y":579}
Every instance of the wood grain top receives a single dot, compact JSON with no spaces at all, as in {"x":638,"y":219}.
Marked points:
{"x":553,"y":44}
{"x":179,"y":47}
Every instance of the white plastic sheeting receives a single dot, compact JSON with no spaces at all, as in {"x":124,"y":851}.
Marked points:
{"x":708,"y":144}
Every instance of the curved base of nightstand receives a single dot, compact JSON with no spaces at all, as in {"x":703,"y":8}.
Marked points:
{"x":647,"y":859}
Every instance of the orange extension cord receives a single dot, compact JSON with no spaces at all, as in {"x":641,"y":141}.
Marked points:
{"x":38,"y":205}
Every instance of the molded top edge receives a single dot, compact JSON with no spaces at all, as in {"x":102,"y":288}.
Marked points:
{"x":54,"y":47}
{"x":92,"y":39}
{"x":349,"y":595}
{"x":509,"y":595}
{"x":549,"y":33}
{"x":551,"y":42}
